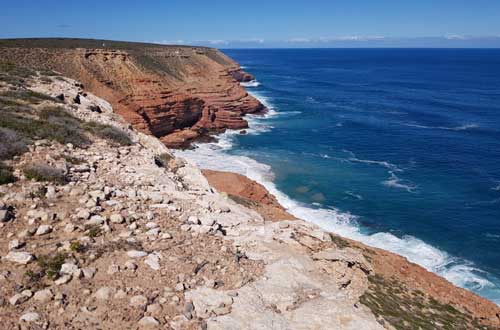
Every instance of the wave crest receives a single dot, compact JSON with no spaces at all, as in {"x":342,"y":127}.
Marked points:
{"x":459,"y":271}
{"x":457,"y":128}
{"x":252,"y":83}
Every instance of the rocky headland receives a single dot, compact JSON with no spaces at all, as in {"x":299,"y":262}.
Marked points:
{"x":102,"y":228}
{"x":178,"y":94}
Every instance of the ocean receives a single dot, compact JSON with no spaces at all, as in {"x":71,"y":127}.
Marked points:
{"x":396,"y":148}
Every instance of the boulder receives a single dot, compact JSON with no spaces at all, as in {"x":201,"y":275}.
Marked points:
{"x":43,"y":295}
{"x":20,"y":257}
{"x":30,"y":317}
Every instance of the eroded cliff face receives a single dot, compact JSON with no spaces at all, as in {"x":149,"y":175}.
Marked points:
{"x":177,"y":94}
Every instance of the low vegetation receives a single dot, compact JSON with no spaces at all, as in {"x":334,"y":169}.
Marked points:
{"x":108,"y":132}
{"x":27,"y":116}
{"x":51,"y":264}
{"x":162,"y":160}
{"x":6,"y":175}
{"x":392,"y":302}
{"x":43,"y":172}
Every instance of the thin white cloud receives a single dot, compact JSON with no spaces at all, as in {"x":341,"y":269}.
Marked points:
{"x":216,"y":42}
{"x":171,"y":42}
{"x":299,"y":40}
{"x":334,"y":39}
{"x":456,"y":37}
{"x":351,"y":38}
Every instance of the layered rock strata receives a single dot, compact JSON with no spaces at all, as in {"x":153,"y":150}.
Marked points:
{"x":177,"y":94}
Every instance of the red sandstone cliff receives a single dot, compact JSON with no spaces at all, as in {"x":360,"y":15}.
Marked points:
{"x":175,"y":93}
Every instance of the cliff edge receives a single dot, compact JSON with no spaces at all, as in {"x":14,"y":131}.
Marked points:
{"x":101,"y":227}
{"x":176,"y":93}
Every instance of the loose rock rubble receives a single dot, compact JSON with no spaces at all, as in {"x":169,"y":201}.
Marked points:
{"x":127,"y":243}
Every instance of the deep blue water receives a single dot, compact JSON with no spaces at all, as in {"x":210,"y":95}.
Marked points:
{"x":401,"y":146}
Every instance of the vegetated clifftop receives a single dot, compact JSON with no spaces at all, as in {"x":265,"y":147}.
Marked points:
{"x":101,"y":227}
{"x":176,"y":93}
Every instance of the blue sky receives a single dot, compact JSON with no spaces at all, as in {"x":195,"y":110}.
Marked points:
{"x":256,"y":23}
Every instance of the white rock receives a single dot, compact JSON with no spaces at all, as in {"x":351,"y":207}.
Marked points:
{"x":149,"y":321}
{"x":136,"y":254}
{"x":18,"y":299}
{"x":104,"y":293}
{"x":120,"y":294}
{"x":179,"y":287}
{"x":113,"y":269}
{"x":69,"y":269}
{"x":43,"y":230}
{"x":63,"y":279}
{"x":83,"y":214}
{"x":156,"y":198}
{"x":166,"y":236}
{"x":193,"y":219}
{"x":97,"y":194}
{"x":207,"y":221}
{"x":44,"y":295}
{"x":138,"y":301}
{"x":159,"y":206}
{"x":30,"y":317}
{"x":27,"y":293}
{"x":5,"y":215}
{"x":153,"y":232}
{"x":153,"y":261}
{"x":116,"y":218}
{"x":151,"y":225}
{"x":130,"y":265}
{"x":95,"y":220}
{"x":51,"y":192}
{"x":20,"y":257}
{"x":15,"y":244}
{"x":69,"y":228}
{"x":89,"y":272}
{"x":204,"y":229}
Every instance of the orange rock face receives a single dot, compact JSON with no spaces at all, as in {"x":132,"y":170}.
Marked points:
{"x":177,"y":94}
{"x":248,"y":192}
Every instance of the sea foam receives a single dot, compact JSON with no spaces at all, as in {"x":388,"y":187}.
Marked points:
{"x":252,"y":83}
{"x":456,"y":128}
{"x":460,"y":272}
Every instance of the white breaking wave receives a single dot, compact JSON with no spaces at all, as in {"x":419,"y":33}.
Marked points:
{"x":458,"y":271}
{"x":457,"y":128}
{"x":395,"y":182}
{"x":350,"y":193}
{"x":382,"y":163}
{"x":252,"y":83}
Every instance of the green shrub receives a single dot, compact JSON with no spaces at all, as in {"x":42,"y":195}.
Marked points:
{"x":12,"y":144}
{"x":76,"y":246}
{"x":94,"y":231}
{"x":51,"y":265}
{"x":28,"y":96}
{"x":108,"y":132}
{"x":6,"y":175}
{"x":73,"y":160}
{"x":14,"y":70}
{"x":163,"y":159}
{"x":43,"y":172}
{"x":54,"y":124}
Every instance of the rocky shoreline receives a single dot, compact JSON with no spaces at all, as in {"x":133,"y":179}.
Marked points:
{"x":386,"y":264}
{"x":101,"y":227}
{"x":178,"y":94}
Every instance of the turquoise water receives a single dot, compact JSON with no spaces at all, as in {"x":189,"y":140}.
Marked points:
{"x":397,"y":148}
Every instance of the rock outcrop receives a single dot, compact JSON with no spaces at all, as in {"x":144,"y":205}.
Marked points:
{"x":106,"y":229}
{"x":249,"y":193}
{"x":178,"y":94}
